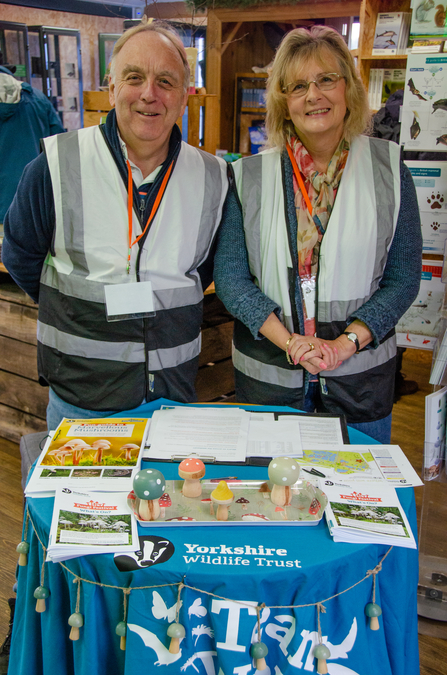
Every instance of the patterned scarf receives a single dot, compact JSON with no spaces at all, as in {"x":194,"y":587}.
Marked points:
{"x":321,"y":189}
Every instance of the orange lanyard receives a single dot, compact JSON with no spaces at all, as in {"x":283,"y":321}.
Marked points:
{"x":158,"y":199}
{"x":299,"y":178}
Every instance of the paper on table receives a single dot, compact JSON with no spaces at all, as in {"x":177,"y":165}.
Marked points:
{"x":267,"y":438}
{"x":318,"y":433}
{"x":393,"y":465}
{"x":87,"y":522}
{"x":207,"y":432}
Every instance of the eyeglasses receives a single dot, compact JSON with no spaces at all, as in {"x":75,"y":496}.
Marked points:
{"x":324,"y":82}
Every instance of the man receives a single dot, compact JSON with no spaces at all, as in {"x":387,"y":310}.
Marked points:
{"x":26,"y":116}
{"x":118,"y":265}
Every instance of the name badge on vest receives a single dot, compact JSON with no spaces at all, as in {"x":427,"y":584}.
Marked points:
{"x":308,"y":287}
{"x":129,"y":301}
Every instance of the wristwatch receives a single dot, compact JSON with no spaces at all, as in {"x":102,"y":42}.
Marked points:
{"x":353,"y":338}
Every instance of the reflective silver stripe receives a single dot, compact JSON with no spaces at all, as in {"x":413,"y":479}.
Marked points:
{"x":386,"y":204}
{"x":366,"y":359}
{"x":338,"y":310}
{"x":127,"y":352}
{"x":178,"y":297}
{"x":72,"y":203}
{"x":267,"y":372}
{"x":159,"y":359}
{"x":93,"y":291}
{"x":210,"y":207}
{"x":251,"y":200}
{"x":78,"y":287}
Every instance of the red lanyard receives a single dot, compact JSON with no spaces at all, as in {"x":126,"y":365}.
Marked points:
{"x":158,"y":199}
{"x":300,"y":180}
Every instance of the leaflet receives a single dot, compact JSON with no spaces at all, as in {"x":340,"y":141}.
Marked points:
{"x":90,"y":522}
{"x":361,"y":513}
{"x":102,"y":453}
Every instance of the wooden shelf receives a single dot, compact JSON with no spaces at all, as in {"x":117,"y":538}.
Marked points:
{"x":384,"y":57}
{"x":254,"y":111}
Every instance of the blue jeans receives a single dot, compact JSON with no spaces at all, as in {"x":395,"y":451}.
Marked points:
{"x":379,"y":430}
{"x":57,"y":409}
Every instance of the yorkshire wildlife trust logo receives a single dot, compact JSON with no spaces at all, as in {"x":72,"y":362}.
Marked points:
{"x":153,"y":551}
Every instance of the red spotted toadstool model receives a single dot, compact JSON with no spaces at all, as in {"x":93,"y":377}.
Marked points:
{"x":192,"y":470}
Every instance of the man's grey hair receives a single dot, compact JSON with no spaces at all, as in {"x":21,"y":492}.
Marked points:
{"x":162,"y":28}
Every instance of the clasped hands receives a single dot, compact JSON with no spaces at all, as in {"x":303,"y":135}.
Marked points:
{"x":317,"y":355}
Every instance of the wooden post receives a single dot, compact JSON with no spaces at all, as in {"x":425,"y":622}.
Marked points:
{"x":213,"y":64}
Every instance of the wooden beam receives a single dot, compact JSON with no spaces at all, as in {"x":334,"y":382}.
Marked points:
{"x":228,"y":38}
{"x":173,"y":10}
{"x":316,"y":9}
{"x":213,"y":62}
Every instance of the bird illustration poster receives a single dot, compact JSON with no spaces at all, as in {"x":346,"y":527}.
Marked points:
{"x":430,"y":180}
{"x":424,"y":109}
{"x":419,"y":326}
{"x":386,"y":37}
{"x":428,"y":18}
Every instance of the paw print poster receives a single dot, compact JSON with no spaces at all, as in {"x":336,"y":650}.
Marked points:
{"x":419,"y":326}
{"x":430,"y":180}
{"x":424,"y":108}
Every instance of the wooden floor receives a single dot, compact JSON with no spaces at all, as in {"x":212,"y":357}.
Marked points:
{"x":407,"y":431}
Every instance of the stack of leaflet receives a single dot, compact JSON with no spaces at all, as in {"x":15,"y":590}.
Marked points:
{"x":98,"y":454}
{"x":86,"y":523}
{"x":391,"y":35}
{"x":365,"y":513}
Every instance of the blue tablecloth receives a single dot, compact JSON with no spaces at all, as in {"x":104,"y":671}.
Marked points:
{"x":277,"y":566}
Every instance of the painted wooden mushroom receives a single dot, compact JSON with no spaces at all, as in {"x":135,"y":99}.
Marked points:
{"x":191,"y":470}
{"x":283,"y":472}
{"x":149,"y":485}
{"x":222,"y":496}
{"x":176,"y":632}
{"x":373,"y":611}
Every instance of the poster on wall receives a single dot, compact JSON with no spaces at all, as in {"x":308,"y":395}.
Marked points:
{"x":424,"y":109}
{"x":419,"y":326}
{"x":430,"y":180}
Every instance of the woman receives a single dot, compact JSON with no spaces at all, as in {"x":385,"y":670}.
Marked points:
{"x":320,"y":245}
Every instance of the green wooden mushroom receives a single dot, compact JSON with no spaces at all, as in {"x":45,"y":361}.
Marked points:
{"x":373,"y":611}
{"x":175,"y":631}
{"x":76,"y":621}
{"x":321,"y":653}
{"x":41,"y":593}
{"x":23,"y":549}
{"x":283,"y":472}
{"x":258,"y":652}
{"x":149,"y":485}
{"x":120,"y":630}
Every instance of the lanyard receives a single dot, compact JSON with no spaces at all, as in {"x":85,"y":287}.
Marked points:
{"x":299,"y":178}
{"x":158,"y":199}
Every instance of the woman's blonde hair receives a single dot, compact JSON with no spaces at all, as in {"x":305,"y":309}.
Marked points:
{"x":295,"y":50}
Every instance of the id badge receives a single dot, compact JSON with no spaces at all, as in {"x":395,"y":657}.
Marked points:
{"x":129,"y":301}
{"x":308,"y":287}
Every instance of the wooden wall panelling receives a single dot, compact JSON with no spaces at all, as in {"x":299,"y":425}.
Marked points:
{"x":15,"y":423}
{"x":248,"y":50}
{"x":89,"y":26}
{"x":18,"y":321}
{"x":18,"y":357}
{"x":23,"y":394}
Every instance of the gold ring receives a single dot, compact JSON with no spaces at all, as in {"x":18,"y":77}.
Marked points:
{"x":312,"y":347}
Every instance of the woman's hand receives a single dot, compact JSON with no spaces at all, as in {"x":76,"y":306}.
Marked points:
{"x":313,"y":354}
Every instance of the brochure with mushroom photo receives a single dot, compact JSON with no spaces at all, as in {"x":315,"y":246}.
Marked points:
{"x":89,"y":454}
{"x":366,"y":513}
{"x":90,"y":522}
